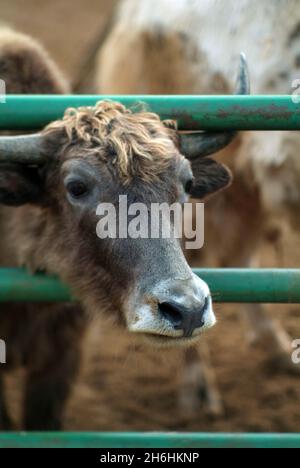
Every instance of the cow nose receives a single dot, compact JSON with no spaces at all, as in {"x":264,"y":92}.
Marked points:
{"x":183,"y":318}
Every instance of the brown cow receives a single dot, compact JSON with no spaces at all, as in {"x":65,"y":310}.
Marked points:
{"x":51,"y":184}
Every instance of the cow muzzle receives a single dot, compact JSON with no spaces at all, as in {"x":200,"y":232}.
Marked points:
{"x":177,"y":310}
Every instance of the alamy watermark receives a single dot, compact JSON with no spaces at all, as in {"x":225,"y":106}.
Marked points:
{"x":2,"y":92}
{"x":296,"y":353}
{"x":159,"y":221}
{"x":296,"y":91}
{"x":2,"y":352}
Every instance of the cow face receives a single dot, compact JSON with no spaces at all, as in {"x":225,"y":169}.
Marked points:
{"x":91,"y":158}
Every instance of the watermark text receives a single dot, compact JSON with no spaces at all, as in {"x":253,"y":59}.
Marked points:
{"x":2,"y":92}
{"x":2,"y":352}
{"x":157,"y":221}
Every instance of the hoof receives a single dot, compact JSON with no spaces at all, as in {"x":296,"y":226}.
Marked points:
{"x":198,"y":394}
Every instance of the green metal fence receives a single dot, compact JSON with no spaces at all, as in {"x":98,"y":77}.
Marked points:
{"x":231,"y":285}
{"x":148,"y":440}
{"x":191,"y":112}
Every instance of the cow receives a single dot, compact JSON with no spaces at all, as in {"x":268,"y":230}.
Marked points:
{"x":51,"y":186}
{"x":190,"y":47}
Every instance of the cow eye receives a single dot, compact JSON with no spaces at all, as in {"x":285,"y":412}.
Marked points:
{"x":188,"y":186}
{"x":77,"y":188}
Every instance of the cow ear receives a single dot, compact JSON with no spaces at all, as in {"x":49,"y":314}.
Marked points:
{"x":209,"y":177}
{"x":20,"y":184}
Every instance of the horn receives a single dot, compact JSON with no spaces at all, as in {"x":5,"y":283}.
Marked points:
{"x":22,"y":149}
{"x":201,"y":144}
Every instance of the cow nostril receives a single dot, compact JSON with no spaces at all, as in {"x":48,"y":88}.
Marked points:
{"x":182,"y":318}
{"x":172,"y":314}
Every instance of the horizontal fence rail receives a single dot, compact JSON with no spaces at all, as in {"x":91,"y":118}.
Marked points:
{"x":148,"y":440}
{"x":227,"y":285}
{"x":191,"y":112}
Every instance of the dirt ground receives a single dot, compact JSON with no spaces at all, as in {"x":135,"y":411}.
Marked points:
{"x":124,"y":386}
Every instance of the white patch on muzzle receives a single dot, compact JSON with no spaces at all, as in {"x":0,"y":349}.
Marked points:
{"x":149,"y":321}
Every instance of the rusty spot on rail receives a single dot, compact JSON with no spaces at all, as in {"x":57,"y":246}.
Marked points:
{"x":268,"y":112}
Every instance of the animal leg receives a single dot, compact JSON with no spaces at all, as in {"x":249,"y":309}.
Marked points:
{"x":198,"y":383}
{"x":5,"y":421}
{"x":271,"y":335}
{"x":47,"y":392}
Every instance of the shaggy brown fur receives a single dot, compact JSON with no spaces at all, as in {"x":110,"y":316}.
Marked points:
{"x":137,"y":144}
{"x":22,"y":56}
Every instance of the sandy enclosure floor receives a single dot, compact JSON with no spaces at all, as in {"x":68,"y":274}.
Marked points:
{"x":124,"y":386}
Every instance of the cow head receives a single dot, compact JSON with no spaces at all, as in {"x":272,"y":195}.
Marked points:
{"x":59,"y":177}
